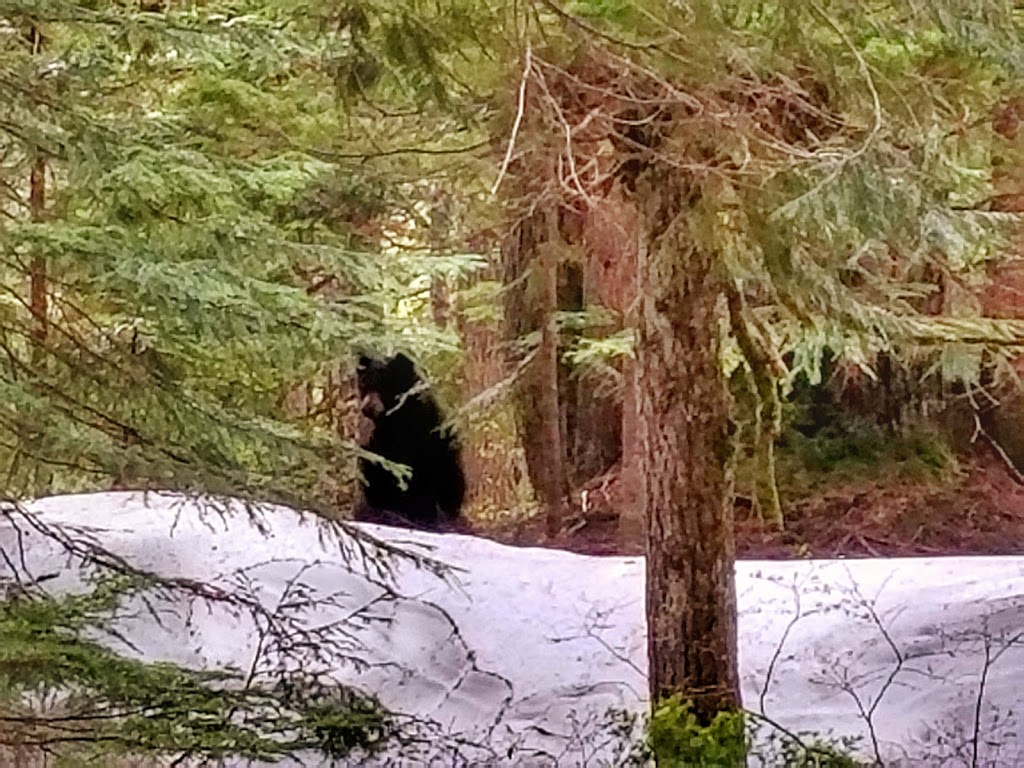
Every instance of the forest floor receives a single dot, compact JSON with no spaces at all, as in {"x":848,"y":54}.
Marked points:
{"x":979,"y":510}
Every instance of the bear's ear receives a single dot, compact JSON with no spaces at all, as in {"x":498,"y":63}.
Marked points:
{"x":365,"y":361}
{"x":401,"y":364}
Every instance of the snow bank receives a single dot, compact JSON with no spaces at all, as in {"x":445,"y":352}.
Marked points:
{"x":523,"y":651}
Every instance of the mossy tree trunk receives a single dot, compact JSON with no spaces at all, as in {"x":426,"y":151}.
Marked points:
{"x":684,"y":411}
{"x":553,"y":490}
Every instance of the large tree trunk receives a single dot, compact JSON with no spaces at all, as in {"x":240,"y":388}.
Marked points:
{"x":554,"y":489}
{"x":530,"y":304}
{"x":491,"y":457}
{"x":632,"y":522}
{"x":614,"y":234}
{"x":571,"y":402}
{"x":685,"y":459}
{"x":596,"y":440}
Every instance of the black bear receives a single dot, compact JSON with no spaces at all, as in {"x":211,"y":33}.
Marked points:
{"x":408,"y":429}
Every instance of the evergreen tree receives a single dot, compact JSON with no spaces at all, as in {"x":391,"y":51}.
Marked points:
{"x":800,"y":174}
{"x":180,"y":180}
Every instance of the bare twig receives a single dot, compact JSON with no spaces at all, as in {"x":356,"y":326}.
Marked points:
{"x":527,"y":68}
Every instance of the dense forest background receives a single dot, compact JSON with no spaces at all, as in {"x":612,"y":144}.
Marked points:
{"x":209,"y":207}
{"x":629,"y":242}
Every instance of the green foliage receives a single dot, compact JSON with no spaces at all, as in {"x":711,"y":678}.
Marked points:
{"x":827,"y":445}
{"x":113,"y":705}
{"x":673,"y":738}
{"x":856,"y":445}
{"x":208,"y":166}
{"x":817,"y":755}
{"x":614,"y":10}
{"x":202,"y":183}
{"x":593,"y":350}
{"x":403,"y":52}
{"x":481,"y":302}
{"x":677,"y":739}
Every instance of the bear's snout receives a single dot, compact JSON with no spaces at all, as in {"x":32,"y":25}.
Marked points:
{"x":371,"y":405}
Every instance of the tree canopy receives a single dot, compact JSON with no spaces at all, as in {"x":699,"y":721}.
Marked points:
{"x":186,"y":188}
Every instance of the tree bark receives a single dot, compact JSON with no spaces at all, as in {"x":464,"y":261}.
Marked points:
{"x":491,"y":459}
{"x":612,"y":235}
{"x":440,"y":304}
{"x":632,"y":520}
{"x":437,"y":237}
{"x":528,"y":309}
{"x":38,"y":300}
{"x":685,"y":459}
{"x":554,"y":490}
{"x":595,"y":440}
{"x":568,"y":298}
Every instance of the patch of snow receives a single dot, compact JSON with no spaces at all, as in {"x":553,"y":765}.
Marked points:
{"x":523,"y":651}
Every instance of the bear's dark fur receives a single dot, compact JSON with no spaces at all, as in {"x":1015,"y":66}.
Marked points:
{"x":408,"y":429}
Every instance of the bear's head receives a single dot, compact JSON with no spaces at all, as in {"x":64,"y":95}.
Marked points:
{"x":382,"y":384}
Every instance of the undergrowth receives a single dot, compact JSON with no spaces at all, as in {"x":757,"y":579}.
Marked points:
{"x":101,"y":705}
{"x":851,"y":449}
{"x":673,"y":738}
